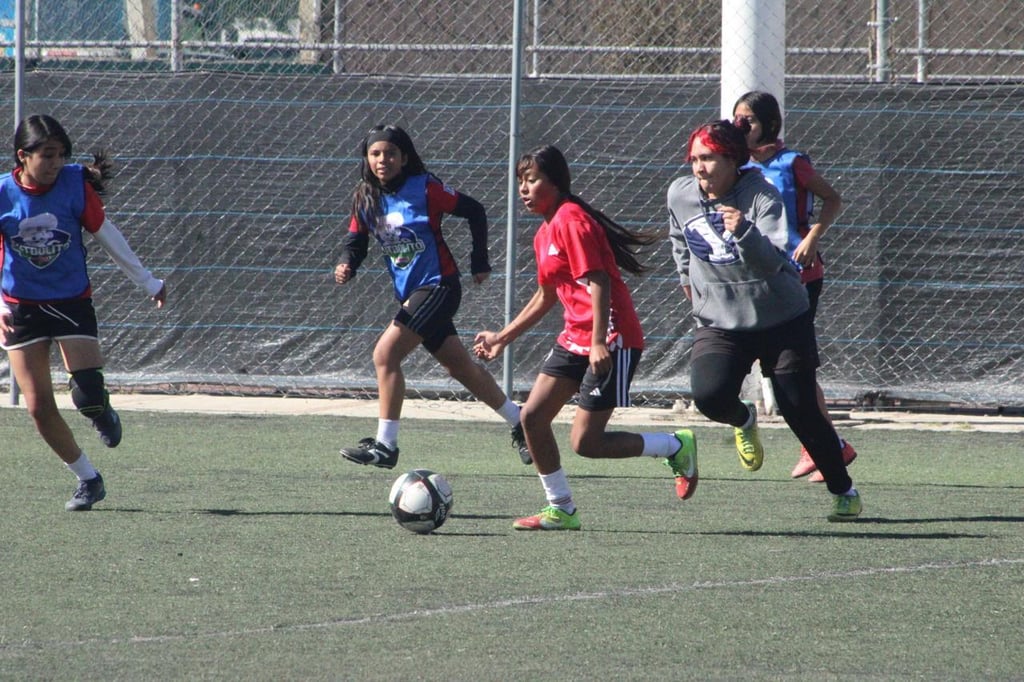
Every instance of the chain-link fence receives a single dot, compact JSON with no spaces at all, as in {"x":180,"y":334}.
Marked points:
{"x":235,"y":126}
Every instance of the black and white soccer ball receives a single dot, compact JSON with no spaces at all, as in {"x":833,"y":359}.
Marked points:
{"x":421,"y":501}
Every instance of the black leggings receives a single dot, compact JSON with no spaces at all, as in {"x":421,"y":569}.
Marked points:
{"x":716,"y":380}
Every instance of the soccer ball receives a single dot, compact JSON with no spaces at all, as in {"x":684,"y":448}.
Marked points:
{"x":421,"y":501}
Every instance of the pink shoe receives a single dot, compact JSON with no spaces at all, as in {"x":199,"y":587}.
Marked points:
{"x":804,"y":465}
{"x":849,"y":454}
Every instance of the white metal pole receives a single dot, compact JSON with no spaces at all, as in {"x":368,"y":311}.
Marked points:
{"x":535,"y":57}
{"x":513,"y":186}
{"x":337,"y":64}
{"x":753,"y":58}
{"x":753,"y":50}
{"x":177,"y":58}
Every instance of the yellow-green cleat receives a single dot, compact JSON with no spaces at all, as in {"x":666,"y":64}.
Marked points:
{"x":748,"y":442}
{"x":684,"y":464}
{"x":846,"y":507}
{"x":549,"y":518}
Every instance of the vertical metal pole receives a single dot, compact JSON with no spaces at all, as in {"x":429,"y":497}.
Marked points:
{"x":882,"y":68}
{"x":513,"y":187}
{"x":19,"y":58}
{"x":535,"y":56}
{"x":19,"y":82}
{"x":753,"y":50}
{"x":177,"y":58}
{"x":922,"y":40}
{"x":337,"y":65}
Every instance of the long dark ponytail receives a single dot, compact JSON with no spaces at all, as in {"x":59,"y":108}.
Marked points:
{"x":625,"y":243}
{"x":36,"y":130}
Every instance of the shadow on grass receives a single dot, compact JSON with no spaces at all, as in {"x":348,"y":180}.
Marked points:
{"x":844,"y":530}
{"x":986,"y":518}
{"x":752,"y":479}
{"x":848,"y":532}
{"x":238,"y":512}
{"x":241,"y":512}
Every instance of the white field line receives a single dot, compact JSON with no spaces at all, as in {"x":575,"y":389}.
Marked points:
{"x":416,"y":614}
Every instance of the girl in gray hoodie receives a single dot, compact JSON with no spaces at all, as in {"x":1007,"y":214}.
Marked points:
{"x":728,"y":231}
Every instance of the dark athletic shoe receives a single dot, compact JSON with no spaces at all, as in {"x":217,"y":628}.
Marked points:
{"x":519,"y":443}
{"x":369,"y":451}
{"x":87,"y":494}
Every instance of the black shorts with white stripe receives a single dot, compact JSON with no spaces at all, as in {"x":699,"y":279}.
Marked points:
{"x":430,"y":312}
{"x":34,"y":322}
{"x":597,"y":393}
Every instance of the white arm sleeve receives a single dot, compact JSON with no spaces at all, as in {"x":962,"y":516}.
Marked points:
{"x":115,"y":244}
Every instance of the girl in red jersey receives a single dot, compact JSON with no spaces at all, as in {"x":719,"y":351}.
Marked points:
{"x":401,"y":205}
{"x":46,"y":206}
{"x":579,"y":253}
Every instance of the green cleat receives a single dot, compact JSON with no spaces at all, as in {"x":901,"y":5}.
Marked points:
{"x":846,"y":507}
{"x":549,"y":518}
{"x":748,"y":442}
{"x":684,"y":464}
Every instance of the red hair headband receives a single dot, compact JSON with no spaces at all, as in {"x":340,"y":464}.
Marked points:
{"x":722,"y":137}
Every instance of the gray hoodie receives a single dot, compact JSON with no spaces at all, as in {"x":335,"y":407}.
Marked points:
{"x":742,"y":281}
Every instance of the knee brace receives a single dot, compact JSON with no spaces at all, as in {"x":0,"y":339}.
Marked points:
{"x":88,"y":393}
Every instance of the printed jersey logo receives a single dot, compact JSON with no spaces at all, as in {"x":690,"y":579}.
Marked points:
{"x":399,"y":243}
{"x":39,"y":241}
{"x":708,"y":239}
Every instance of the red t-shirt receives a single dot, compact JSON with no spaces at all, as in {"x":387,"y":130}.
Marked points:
{"x":568,"y":247}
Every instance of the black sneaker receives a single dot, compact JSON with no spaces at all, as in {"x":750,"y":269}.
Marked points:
{"x":369,"y":451}
{"x":109,"y":426}
{"x":88,"y":493}
{"x":519,"y":442}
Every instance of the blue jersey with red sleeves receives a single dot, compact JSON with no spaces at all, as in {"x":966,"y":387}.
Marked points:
{"x":41,"y":237}
{"x":784,"y":172}
{"x":409,"y":233}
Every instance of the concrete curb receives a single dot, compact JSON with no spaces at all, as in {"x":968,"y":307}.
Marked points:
{"x":672,"y":418}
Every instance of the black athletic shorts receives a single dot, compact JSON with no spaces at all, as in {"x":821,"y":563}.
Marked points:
{"x":783,"y":349}
{"x":597,"y":393}
{"x":34,"y":322}
{"x":814,"y":293}
{"x":430,"y":311}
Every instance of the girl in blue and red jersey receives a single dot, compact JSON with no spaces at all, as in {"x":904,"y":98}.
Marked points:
{"x":46,"y":207}
{"x":579,"y":253}
{"x":401,"y":204}
{"x":793,"y":174}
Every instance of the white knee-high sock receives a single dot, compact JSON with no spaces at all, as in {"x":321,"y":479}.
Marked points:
{"x":509,"y":412}
{"x":556,"y":490}
{"x":660,"y":445}
{"x":82,"y":468}
{"x":387,"y":432}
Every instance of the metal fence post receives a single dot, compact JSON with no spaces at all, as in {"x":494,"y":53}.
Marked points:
{"x":507,"y":374}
